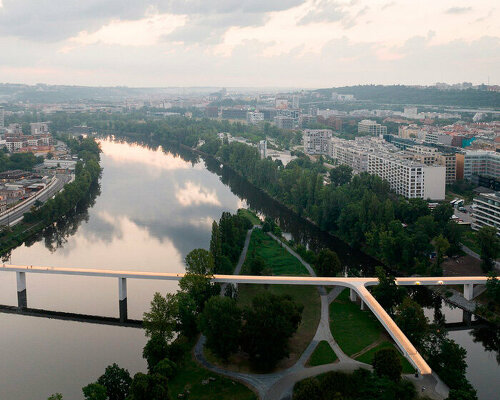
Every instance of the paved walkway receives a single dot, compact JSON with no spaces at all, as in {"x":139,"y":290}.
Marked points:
{"x":279,"y":385}
{"x":471,"y":253}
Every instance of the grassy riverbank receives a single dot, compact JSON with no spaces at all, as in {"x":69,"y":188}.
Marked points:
{"x":358,"y":333}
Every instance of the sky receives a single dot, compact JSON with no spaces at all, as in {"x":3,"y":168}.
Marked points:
{"x":249,"y":43}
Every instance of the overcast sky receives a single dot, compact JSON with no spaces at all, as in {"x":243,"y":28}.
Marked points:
{"x":289,"y":43}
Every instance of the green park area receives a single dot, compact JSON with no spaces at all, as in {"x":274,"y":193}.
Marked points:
{"x":278,"y":261}
{"x":322,"y":354}
{"x":244,"y":212}
{"x":196,"y":382}
{"x":357,"y":332}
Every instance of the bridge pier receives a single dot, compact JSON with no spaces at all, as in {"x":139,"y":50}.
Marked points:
{"x":466,"y":317}
{"x":469,"y":291}
{"x":352,"y":294}
{"x":122,"y":297}
{"x":22,"y":298}
{"x":363,"y":305}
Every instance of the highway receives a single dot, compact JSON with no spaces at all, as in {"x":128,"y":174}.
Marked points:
{"x":356,"y":284}
{"x":16,"y":215}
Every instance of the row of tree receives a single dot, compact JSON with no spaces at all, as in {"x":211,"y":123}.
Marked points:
{"x":87,"y":173}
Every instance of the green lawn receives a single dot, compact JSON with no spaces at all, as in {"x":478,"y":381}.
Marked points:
{"x":250,"y":215}
{"x":278,"y":260}
{"x":368,"y":357}
{"x":352,"y":328}
{"x":323,"y":354}
{"x":190,"y":376}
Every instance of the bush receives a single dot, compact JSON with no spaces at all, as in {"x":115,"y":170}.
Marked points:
{"x":387,"y":363}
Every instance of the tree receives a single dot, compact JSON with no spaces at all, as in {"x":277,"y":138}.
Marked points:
{"x":56,"y":396}
{"x":387,"y":363}
{"x":442,"y":213}
{"x":409,"y":316}
{"x":149,"y":387}
{"x":199,"y":287}
{"x":493,"y":287}
{"x":155,"y":350}
{"x":448,"y":360}
{"x":220,"y":322}
{"x":257,"y":265}
{"x":216,"y":246}
{"x":340,"y":175}
{"x":328,"y":263}
{"x":387,"y":293}
{"x":117,"y":381}
{"x":490,"y":246}
{"x":442,"y":245}
{"x":165,"y":368}
{"x":270,"y":322}
{"x":200,"y":261}
{"x":94,"y":391}
{"x":186,"y":314}
{"x":161,"y":320}
{"x":307,"y":389}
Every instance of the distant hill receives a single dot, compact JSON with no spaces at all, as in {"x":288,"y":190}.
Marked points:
{"x":399,"y":94}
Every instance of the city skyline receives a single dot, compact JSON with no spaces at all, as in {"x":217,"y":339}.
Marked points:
{"x":292,"y":43}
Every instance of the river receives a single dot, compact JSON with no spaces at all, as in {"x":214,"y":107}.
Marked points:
{"x":153,"y":208}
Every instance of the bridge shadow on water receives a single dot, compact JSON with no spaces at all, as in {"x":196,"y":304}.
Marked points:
{"x":65,"y":316}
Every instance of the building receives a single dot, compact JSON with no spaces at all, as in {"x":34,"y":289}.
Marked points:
{"x":2,"y":118}
{"x":408,"y":178}
{"x":234,"y":113}
{"x":283,"y":122}
{"x":64,"y":164}
{"x":254,"y":117}
{"x":481,"y":162}
{"x":317,"y":141}
{"x":212,"y":112}
{"x":449,"y":161}
{"x":39,"y":128}
{"x":262,"y":147}
{"x":486,"y":211}
{"x":295,"y":101}
{"x":370,"y":127}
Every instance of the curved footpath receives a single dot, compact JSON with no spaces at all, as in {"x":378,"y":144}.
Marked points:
{"x":279,"y":385}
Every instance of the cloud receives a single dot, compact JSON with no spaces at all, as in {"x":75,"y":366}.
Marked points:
{"x":193,"y":193}
{"x":458,"y":10}
{"x":56,"y":20}
{"x":324,"y":10}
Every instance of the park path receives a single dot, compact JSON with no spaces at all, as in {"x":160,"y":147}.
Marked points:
{"x":279,"y":385}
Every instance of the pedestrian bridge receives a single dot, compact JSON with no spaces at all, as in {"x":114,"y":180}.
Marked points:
{"x":357,"y":286}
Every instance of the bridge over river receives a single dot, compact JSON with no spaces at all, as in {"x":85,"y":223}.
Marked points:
{"x":357,"y":286}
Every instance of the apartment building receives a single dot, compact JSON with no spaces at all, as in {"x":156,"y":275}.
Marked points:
{"x":408,"y":178}
{"x":317,"y":141}
{"x":262,"y":147}
{"x":283,"y":122}
{"x":431,"y":156}
{"x":486,"y":211}
{"x":254,"y":117}
{"x":481,"y":162}
{"x":370,"y":127}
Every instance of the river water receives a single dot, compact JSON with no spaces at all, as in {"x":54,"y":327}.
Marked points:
{"x":153,"y":208}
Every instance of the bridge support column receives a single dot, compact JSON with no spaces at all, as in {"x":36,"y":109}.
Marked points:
{"x":363,"y":305}
{"x":469,"y":291}
{"x":467,"y":317}
{"x":352,"y":294}
{"x":122,"y":294}
{"x":22,"y":298}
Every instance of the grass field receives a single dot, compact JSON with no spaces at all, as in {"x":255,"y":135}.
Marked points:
{"x":352,"y":328}
{"x":323,"y":354}
{"x":190,"y":376}
{"x":278,"y":260}
{"x":368,"y":357}
{"x":250,"y":215}
{"x":469,"y":239}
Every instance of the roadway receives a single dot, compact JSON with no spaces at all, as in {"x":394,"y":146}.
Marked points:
{"x":356,"y":284}
{"x":16,"y":215}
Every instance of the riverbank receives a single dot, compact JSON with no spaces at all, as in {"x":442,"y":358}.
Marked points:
{"x":72,"y":194}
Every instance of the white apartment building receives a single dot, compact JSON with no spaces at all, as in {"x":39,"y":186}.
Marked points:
{"x":254,"y":117}
{"x":486,"y":211}
{"x":407,"y":178}
{"x":317,"y":141}
{"x":262,"y":147}
{"x":371,"y":127}
{"x":481,"y":162}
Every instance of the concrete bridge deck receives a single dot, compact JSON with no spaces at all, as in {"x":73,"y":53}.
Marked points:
{"x":357,"y":285}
